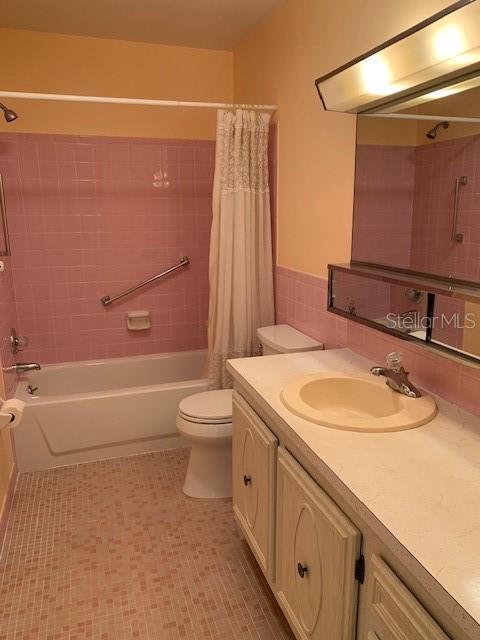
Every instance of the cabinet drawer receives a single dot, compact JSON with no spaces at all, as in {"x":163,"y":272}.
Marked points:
{"x":395,"y":613}
{"x":254,"y":459}
{"x":317,"y":548}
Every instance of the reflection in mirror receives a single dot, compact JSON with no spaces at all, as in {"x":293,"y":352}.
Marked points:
{"x":455,"y":325}
{"x":417,"y":188}
{"x":387,"y":305}
{"x":444,"y":321}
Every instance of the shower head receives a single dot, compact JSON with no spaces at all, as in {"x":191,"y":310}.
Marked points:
{"x":432,"y":134}
{"x":10,"y":115}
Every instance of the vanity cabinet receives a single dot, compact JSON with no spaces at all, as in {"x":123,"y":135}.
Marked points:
{"x":254,"y":460}
{"x":317,"y":550}
{"x":393,"y":611}
{"x":310,"y":550}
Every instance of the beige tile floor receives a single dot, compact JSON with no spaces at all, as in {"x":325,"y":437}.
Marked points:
{"x":113,"y":550}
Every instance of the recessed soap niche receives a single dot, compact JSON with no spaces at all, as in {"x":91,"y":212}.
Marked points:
{"x":138,"y":320}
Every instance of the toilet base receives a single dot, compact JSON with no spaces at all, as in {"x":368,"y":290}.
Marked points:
{"x":209,"y":472}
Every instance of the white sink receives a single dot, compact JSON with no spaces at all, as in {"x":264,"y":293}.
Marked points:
{"x":355,"y":403}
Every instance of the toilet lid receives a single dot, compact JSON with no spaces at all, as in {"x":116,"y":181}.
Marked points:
{"x":210,"y":405}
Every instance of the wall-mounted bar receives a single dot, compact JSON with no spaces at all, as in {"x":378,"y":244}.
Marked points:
{"x":107,"y":300}
{"x":461,"y":181}
{"x":6,"y":251}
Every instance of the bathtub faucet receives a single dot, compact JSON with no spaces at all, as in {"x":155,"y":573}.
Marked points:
{"x":22,"y":367}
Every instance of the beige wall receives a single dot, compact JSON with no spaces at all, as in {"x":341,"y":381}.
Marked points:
{"x":278,"y":63}
{"x":6,"y":465}
{"x":52,"y":63}
{"x":471,"y":337}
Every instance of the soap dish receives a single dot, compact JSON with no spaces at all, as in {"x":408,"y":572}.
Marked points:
{"x":138,"y":320}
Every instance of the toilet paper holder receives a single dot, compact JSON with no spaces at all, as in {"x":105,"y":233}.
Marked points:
{"x":2,"y":404}
{"x":10,"y":412}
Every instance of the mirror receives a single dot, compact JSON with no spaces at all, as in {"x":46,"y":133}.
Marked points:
{"x":415,"y":266}
{"x":440,"y":320}
{"x":417,"y":188}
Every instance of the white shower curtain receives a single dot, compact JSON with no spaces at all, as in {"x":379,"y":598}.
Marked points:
{"x":241,"y":278}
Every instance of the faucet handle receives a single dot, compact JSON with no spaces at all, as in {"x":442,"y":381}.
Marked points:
{"x":394,"y":360}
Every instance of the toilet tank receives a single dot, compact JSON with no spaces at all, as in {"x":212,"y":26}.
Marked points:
{"x":282,"y":338}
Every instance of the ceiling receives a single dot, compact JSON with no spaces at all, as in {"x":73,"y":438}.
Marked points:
{"x":208,"y":24}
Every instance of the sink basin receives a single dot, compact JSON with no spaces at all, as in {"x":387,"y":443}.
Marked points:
{"x":355,"y":403}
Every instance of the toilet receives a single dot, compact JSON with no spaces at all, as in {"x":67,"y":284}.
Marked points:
{"x":205,"y":420}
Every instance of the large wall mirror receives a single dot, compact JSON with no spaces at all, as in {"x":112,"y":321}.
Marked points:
{"x":417,"y":188}
{"x":417,"y":209}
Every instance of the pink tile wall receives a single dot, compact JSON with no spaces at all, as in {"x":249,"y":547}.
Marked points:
{"x":302,"y":303}
{"x":8,"y":319}
{"x":86,"y":219}
{"x":384,"y":188}
{"x":436,"y":168}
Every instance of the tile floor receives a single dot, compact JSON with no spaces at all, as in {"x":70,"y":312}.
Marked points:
{"x":112,"y":550}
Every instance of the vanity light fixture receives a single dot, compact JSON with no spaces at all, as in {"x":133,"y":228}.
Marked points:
{"x":429,"y":58}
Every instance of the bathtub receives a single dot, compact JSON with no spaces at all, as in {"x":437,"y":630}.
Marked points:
{"x":84,"y":411}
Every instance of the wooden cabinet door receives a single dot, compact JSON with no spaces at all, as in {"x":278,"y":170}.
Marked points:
{"x":317,"y":549}
{"x":254,"y":460}
{"x":394,"y":612}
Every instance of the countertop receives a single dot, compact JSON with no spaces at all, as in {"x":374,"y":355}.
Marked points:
{"x":423,"y":484}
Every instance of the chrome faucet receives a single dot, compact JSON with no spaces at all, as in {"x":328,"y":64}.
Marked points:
{"x":22,"y":367}
{"x":397,"y":377}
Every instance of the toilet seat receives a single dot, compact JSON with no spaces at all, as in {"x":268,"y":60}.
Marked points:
{"x":206,"y":416}
{"x":209,"y":407}
{"x":196,"y":420}
{"x":215,"y":433}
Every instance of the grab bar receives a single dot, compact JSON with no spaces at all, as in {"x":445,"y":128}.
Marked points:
{"x":106,"y":300}
{"x":462,"y":180}
{"x":3,"y":215}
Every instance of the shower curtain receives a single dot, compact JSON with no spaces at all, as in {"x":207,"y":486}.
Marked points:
{"x":241,"y":273}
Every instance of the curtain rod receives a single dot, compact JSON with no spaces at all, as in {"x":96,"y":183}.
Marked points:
{"x":139,"y":101}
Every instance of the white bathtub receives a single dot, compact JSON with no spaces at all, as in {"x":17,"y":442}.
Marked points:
{"x":92,"y":410}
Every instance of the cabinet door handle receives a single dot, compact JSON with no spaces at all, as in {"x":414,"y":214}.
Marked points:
{"x":247,"y":480}
{"x":302,"y":570}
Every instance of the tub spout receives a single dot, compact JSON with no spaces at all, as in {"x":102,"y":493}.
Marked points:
{"x":22,"y":367}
